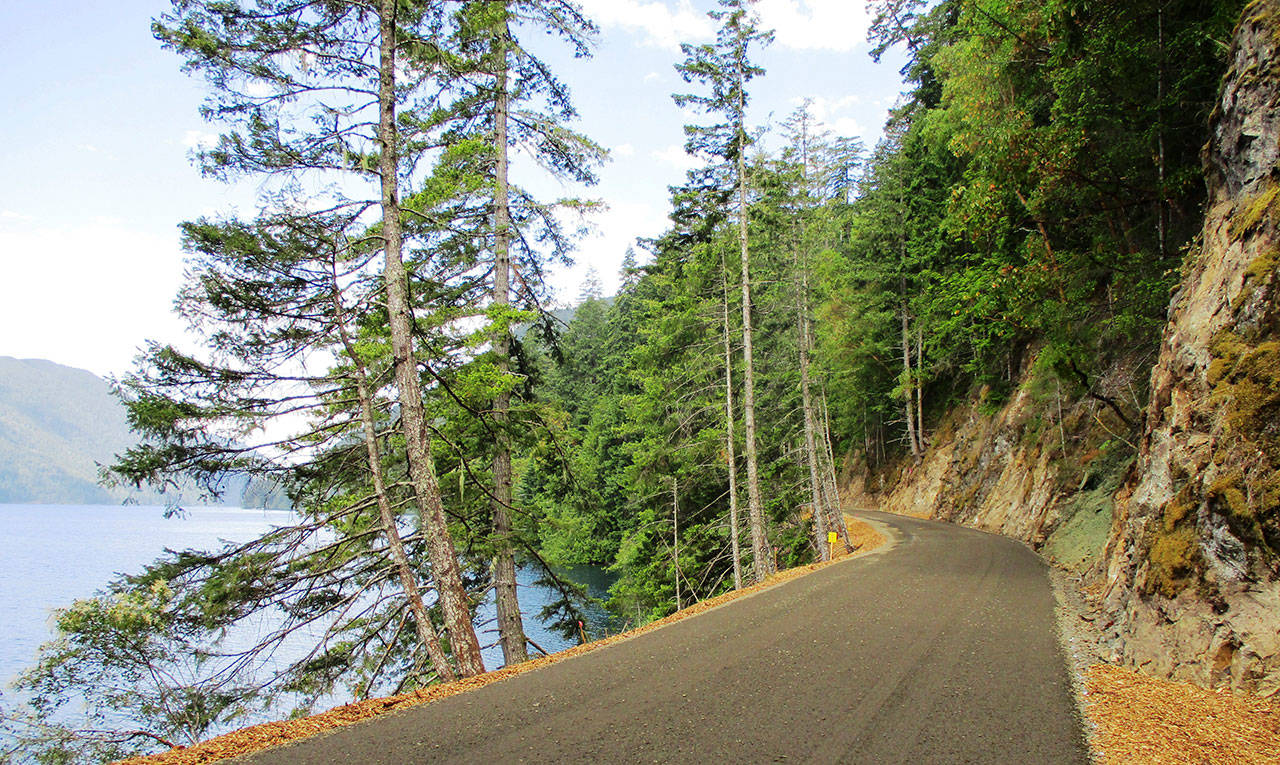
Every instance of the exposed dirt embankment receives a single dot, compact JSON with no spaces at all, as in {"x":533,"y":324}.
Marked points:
{"x":1043,"y":467}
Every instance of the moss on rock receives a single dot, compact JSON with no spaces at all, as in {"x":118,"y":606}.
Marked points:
{"x":1174,"y":561}
{"x":1244,"y":379}
{"x":1254,"y":209}
{"x":1246,"y":382}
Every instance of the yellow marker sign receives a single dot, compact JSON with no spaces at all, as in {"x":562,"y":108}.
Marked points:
{"x":831,"y":538}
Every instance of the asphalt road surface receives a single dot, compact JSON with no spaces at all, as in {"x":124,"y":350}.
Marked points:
{"x":938,"y":649}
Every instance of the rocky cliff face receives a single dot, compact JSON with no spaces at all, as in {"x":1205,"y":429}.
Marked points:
{"x":1178,"y":534}
{"x":1192,"y":565}
{"x":1042,"y":468}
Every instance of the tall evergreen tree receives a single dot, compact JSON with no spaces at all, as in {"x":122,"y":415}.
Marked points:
{"x":440,"y":546}
{"x":308,"y":91}
{"x":510,"y":100}
{"x":807,"y":150}
{"x":724,"y":68}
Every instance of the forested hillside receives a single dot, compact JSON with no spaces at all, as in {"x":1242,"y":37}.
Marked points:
{"x":987,"y":286}
{"x":56,"y":425}
{"x":961,"y":321}
{"x":59,"y":426}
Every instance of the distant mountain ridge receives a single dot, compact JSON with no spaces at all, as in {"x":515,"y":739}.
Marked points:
{"x":57,"y":425}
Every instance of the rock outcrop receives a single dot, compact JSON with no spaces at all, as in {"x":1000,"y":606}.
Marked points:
{"x":1178,"y":534}
{"x":1193,"y":562}
{"x":1042,"y":468}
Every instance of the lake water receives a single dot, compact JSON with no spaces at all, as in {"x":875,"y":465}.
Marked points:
{"x":51,"y":555}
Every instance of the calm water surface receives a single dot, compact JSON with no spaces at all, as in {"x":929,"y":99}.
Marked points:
{"x":52,"y":554}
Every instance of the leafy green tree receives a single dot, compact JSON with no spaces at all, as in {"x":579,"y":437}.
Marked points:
{"x":122,"y":655}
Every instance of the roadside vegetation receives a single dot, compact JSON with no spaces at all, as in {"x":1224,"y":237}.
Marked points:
{"x":378,"y":341}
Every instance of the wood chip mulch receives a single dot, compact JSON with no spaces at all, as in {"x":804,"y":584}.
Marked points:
{"x":1148,"y":721}
{"x":258,"y":737}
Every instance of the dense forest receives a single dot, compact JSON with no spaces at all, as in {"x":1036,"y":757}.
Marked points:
{"x":379,"y":339}
{"x":1031,"y":203}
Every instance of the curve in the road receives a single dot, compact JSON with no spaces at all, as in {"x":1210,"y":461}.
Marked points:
{"x":941,"y":650}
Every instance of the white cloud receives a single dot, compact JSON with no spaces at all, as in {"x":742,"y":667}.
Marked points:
{"x":823,"y":107}
{"x":830,"y":25}
{"x":652,"y":77}
{"x":199,"y":139}
{"x":624,"y":150}
{"x":675,"y":156}
{"x":616,"y":229}
{"x":832,"y":113}
{"x":109,"y":289}
{"x":14,"y":215}
{"x":661,"y":24}
{"x":847,"y":127}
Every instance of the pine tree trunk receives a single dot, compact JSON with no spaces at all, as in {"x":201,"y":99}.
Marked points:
{"x":730,"y":438}
{"x":908,"y":377}
{"x":829,"y":475}
{"x":1161,"y":209}
{"x":425,"y":630}
{"x":440,"y":548}
{"x":821,"y":509}
{"x":824,"y":512}
{"x":510,"y":625}
{"x":675,"y":537}
{"x":919,"y":386}
{"x":763,"y":556}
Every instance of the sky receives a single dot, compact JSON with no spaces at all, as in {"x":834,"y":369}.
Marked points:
{"x":96,"y":172}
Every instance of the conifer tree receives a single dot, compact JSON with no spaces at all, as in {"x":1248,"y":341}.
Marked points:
{"x":510,"y":100}
{"x":309,"y":92}
{"x":807,"y":150}
{"x":440,"y":546}
{"x":724,"y":68}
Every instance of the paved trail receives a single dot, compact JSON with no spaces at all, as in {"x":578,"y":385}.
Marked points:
{"x":939,"y":649}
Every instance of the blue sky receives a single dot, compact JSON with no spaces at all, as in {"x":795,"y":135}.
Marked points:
{"x":96,"y":174}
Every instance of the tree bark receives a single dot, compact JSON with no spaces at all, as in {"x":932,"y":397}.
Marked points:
{"x":730,"y":438}
{"x":1162,"y":208}
{"x":908,"y":377}
{"x":423,"y":626}
{"x":824,"y":512}
{"x":675,"y":537}
{"x":440,"y":548}
{"x":510,"y":624}
{"x":763,"y":556}
{"x":829,"y":475}
{"x":821,"y":509}
{"x":919,"y":386}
